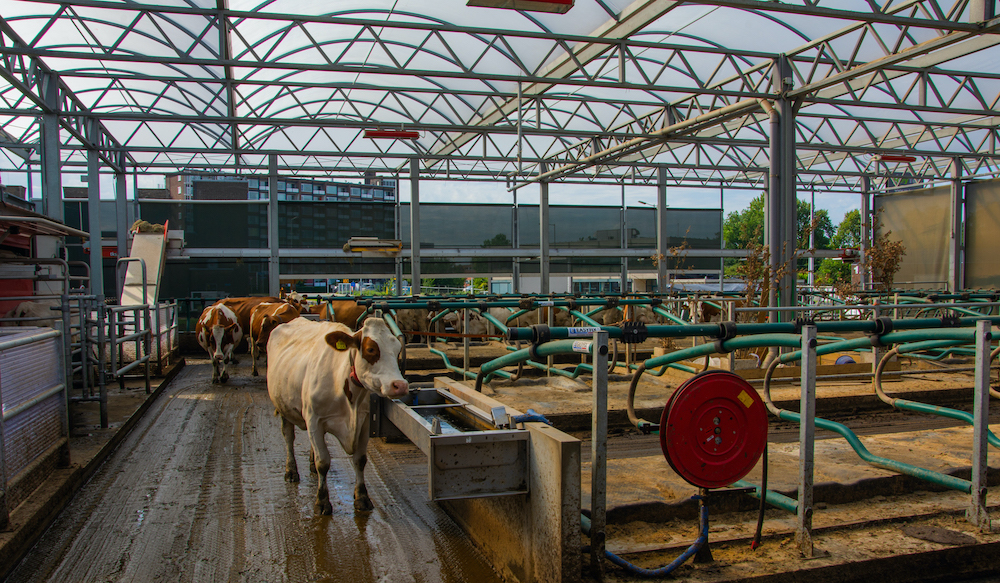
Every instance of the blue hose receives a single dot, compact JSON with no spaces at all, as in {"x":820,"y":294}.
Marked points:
{"x":668,"y":569}
{"x":530,"y":416}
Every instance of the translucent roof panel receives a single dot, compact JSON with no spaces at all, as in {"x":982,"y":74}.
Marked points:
{"x":612,"y":88}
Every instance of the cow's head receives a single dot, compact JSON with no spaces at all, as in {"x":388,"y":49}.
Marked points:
{"x":223,"y":339}
{"x":373,"y":351}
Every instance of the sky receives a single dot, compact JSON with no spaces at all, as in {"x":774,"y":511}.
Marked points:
{"x":733,"y":200}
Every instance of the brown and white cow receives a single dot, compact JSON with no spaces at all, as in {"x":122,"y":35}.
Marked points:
{"x":413,"y":320}
{"x":218,"y":331}
{"x":319,"y":377}
{"x":264,"y":319}
{"x":343,"y":311}
{"x":243,"y":308}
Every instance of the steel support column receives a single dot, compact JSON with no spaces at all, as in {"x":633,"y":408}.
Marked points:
{"x":772,"y":215}
{"x":516,"y":237}
{"x":52,"y":205}
{"x":94,"y":223}
{"x":599,"y":452}
{"x":543,"y":232}
{"x":956,"y":279}
{"x":977,"y":512}
{"x":624,"y":243}
{"x":414,"y":226}
{"x":807,"y":440}
{"x":273,"y":262}
{"x":789,"y":204}
{"x":121,"y":210}
{"x":866,"y":231}
{"x":661,"y":230}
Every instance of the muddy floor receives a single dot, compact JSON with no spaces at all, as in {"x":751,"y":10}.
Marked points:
{"x":196,"y":493}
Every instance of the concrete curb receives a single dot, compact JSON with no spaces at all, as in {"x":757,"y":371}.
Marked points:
{"x":39,"y":511}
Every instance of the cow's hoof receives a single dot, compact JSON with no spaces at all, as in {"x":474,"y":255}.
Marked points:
{"x":324,"y":507}
{"x":215,"y":381}
{"x":224,"y":378}
{"x":291,"y":476}
{"x":363,"y":504}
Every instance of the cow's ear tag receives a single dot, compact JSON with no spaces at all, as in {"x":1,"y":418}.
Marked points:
{"x":340,"y":345}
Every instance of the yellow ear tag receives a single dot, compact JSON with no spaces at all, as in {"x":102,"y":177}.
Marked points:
{"x":341,"y":345}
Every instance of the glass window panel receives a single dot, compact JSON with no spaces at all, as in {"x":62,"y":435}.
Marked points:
{"x":572,"y":226}
{"x":212,"y":225}
{"x":459,"y":225}
{"x":213,"y":277}
{"x":329,"y":225}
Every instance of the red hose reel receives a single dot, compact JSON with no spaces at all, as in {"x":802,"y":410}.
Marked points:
{"x":713,"y":429}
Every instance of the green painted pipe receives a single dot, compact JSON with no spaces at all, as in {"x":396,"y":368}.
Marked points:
{"x":712,"y":330}
{"x":585,"y":318}
{"x":501,"y":326}
{"x":773,"y":498}
{"x":730,"y":345}
{"x":466,"y":373}
{"x":577,"y":371}
{"x":946,"y":334}
{"x":671,"y":317}
{"x":945,"y":480}
{"x":547,"y":349}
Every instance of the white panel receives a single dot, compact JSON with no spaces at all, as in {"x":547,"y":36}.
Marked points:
{"x":982,"y":234}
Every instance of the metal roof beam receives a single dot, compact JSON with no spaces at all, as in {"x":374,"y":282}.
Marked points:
{"x":27,"y":76}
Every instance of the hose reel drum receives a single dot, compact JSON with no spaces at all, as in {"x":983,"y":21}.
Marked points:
{"x":713,"y":429}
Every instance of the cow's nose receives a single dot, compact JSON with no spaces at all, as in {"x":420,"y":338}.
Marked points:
{"x":399,"y":388}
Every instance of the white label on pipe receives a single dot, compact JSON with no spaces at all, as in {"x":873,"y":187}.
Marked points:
{"x":582,"y":331}
{"x":581,"y":346}
{"x":546,"y":304}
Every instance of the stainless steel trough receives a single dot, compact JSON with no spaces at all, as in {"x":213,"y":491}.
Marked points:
{"x":471,"y":453}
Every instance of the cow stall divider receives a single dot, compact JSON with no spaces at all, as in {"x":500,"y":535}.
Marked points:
{"x":912,"y":334}
{"x":34,"y":424}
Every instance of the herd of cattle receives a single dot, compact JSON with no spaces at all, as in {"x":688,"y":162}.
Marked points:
{"x":320,"y":373}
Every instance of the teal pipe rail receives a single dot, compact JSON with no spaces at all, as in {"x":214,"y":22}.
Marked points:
{"x":915,"y":406}
{"x":467,"y":374}
{"x":790,"y":340}
{"x":776,"y":499}
{"x":716,"y":329}
{"x":492,"y":368}
{"x":852,"y":439}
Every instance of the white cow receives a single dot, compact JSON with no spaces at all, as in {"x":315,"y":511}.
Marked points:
{"x":319,"y":378}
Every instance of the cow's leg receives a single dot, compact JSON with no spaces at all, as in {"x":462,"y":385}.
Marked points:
{"x":215,"y":370}
{"x":254,"y":354}
{"x":362,"y":503}
{"x":225,"y":374}
{"x":291,"y":468}
{"x":318,"y":440}
{"x":312,"y":461}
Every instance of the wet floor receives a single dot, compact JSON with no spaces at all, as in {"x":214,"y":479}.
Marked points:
{"x":197,"y":493}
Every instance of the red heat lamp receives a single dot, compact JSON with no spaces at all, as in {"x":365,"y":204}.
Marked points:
{"x":392,"y":134}
{"x":894,"y":158}
{"x":556,"y":6}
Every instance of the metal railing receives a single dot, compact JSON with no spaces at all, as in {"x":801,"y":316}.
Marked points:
{"x":25,"y":434}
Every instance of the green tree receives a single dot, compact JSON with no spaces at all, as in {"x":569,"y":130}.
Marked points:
{"x":498,"y":240}
{"x":744,"y":227}
{"x":821,"y":224}
{"x":848,"y":231}
{"x":832,"y":272}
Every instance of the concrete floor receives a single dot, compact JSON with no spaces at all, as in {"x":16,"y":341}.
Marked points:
{"x":196,"y":493}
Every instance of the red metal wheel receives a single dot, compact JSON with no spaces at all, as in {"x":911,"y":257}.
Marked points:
{"x":713,"y":429}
